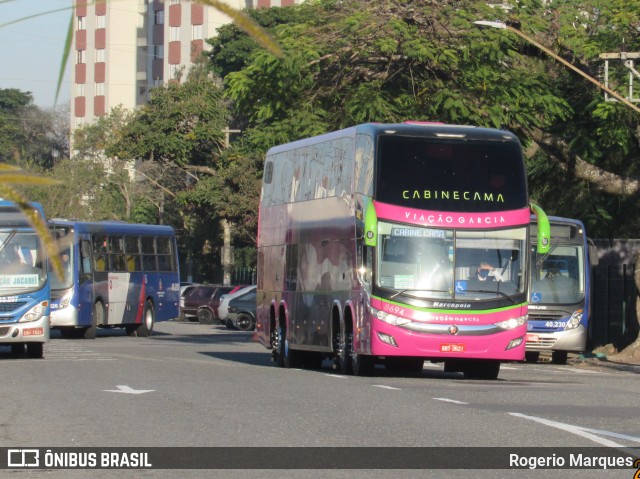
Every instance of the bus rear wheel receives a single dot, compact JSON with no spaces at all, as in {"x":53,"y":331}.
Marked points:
{"x":145,"y":328}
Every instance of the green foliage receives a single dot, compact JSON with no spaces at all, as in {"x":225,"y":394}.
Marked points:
{"x":30,"y":136}
{"x":182,"y":124}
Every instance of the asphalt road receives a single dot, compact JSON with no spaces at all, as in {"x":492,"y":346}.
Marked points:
{"x":191,"y":385}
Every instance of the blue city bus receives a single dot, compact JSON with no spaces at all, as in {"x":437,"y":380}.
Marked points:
{"x":116,"y":275}
{"x":24,"y":283}
{"x":559,"y":297}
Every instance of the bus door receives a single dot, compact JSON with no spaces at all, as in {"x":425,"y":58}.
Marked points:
{"x":85,"y":283}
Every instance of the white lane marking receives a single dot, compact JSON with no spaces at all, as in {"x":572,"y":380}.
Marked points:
{"x":451,"y":400}
{"x":336,"y":376}
{"x":577,"y":430}
{"x":612,"y":434}
{"x":382,"y":386}
{"x":128,"y":390}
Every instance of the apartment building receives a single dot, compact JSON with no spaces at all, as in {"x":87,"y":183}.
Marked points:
{"x":123,"y":48}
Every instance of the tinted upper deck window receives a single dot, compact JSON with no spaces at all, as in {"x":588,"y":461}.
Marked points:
{"x":450,"y":175}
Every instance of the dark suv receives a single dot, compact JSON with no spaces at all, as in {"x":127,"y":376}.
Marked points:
{"x":202,"y":301}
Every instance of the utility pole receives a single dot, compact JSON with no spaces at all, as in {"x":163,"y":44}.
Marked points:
{"x":227,"y":249}
{"x":505,"y":26}
{"x":227,"y":135}
{"x":627,"y":58}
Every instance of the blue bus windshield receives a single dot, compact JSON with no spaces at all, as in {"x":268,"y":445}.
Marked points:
{"x":22,"y":267}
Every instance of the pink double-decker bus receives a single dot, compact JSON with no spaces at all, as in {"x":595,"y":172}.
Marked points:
{"x":394,"y":244}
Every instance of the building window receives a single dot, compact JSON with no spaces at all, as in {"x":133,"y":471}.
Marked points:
{"x":175,"y":72}
{"x":79,"y":89}
{"x":175,"y":33}
{"x":196,"y":32}
{"x":100,"y":56}
{"x":80,"y":23}
{"x":101,"y":21}
{"x":158,"y":17}
{"x":99,"y":89}
{"x":158,"y":52}
{"x":81,"y":56}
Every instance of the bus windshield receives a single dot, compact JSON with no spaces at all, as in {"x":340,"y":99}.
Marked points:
{"x":21,"y":262}
{"x":432,"y":263}
{"x":64,"y":237}
{"x":558,"y":277}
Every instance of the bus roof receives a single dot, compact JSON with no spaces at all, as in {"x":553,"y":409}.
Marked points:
{"x":113,"y":227}
{"x":410,"y":128}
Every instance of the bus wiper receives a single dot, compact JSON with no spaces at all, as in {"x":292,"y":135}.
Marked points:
{"x":405,"y":291}
{"x":496,"y":291}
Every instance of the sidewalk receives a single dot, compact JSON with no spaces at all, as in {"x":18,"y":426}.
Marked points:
{"x":602,"y":360}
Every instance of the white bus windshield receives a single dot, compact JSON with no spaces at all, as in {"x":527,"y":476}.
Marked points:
{"x":432,"y":263}
{"x":21,"y":263}
{"x":558,"y":278}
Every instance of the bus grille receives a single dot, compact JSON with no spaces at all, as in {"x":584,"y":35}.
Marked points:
{"x":4,"y":331}
{"x":542,"y":343}
{"x":8,"y":307}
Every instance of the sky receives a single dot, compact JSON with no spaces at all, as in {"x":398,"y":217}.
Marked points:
{"x":31,"y":50}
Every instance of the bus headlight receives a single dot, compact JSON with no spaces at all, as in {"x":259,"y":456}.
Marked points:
{"x":35,"y":313}
{"x":65,"y":300}
{"x":575,"y":319}
{"x":389,"y":318}
{"x":512,"y":323}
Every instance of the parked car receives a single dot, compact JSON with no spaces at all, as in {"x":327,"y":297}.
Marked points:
{"x":223,"y":309}
{"x":242,"y":311}
{"x":202,"y":302}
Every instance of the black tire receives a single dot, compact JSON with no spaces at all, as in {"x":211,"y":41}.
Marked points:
{"x":245,"y":322}
{"x":480,"y":369}
{"x":559,"y":357}
{"x":342,"y":346}
{"x":531,"y":356}
{"x":276,"y":357}
{"x":96,"y":318}
{"x":290,"y":357}
{"x":35,"y":350}
{"x":205,"y":316}
{"x":145,"y":328}
{"x":359,"y":364}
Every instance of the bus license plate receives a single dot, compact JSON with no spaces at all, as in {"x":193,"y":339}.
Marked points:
{"x":452,"y":348}
{"x":533,"y":338}
{"x":33,"y":332}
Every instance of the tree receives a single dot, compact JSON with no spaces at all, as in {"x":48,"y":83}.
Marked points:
{"x":182,"y":125}
{"x":30,"y":136}
{"x":352,"y":62}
